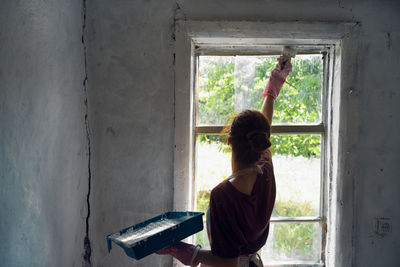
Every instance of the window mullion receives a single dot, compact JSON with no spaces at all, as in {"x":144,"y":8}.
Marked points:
{"x":296,"y":219}
{"x":276,"y":129}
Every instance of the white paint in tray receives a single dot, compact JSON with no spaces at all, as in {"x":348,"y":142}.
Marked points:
{"x":132,"y":236}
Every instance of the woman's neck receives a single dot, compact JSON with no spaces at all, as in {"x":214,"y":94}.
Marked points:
{"x":237,"y":166}
{"x":242,"y":179}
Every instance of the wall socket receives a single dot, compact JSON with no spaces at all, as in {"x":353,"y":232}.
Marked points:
{"x":383,"y":226}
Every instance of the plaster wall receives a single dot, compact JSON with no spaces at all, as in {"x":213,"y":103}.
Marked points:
{"x":131,"y":91}
{"x":130,"y":56}
{"x":131,"y":85}
{"x":43,"y":156}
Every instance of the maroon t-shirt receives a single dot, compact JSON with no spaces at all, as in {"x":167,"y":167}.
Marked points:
{"x":239,"y":223}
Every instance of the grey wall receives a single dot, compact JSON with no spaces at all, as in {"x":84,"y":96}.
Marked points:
{"x":130,"y":46}
{"x":43,"y":161}
{"x":132,"y":92}
{"x":131,"y":89}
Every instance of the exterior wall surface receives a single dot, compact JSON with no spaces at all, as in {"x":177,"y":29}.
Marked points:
{"x":43,"y":161}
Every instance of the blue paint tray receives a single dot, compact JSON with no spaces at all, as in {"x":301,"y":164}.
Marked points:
{"x":143,"y":239}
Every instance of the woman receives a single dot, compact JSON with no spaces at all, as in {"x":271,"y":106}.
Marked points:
{"x":241,"y":206}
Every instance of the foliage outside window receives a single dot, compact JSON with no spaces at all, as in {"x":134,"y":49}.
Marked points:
{"x":228,"y":84}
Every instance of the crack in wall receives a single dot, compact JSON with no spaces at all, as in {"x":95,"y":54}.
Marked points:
{"x":177,"y":15}
{"x":86,"y":242}
{"x":388,"y":41}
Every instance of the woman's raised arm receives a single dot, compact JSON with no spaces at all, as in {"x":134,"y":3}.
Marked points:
{"x":274,"y":85}
{"x":268,"y":108}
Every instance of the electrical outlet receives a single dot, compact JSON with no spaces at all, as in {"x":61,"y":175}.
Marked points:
{"x":383,"y":226}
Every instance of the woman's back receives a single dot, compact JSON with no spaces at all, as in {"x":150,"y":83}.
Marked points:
{"x":239,"y":221}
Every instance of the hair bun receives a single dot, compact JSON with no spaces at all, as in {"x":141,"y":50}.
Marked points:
{"x":259,"y":141}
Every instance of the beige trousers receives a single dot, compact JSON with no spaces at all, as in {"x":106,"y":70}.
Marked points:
{"x":255,"y":259}
{"x":244,"y":261}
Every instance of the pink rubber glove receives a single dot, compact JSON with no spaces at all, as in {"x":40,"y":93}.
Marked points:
{"x":185,"y":253}
{"x":278,"y":77}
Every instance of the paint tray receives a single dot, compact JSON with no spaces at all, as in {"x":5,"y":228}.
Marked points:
{"x":143,"y":239}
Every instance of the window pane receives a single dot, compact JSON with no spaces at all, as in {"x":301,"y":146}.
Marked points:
{"x":292,"y":243}
{"x":213,"y":165}
{"x":201,"y":238}
{"x":216,"y":90}
{"x":297,"y":168}
{"x":301,"y":95}
{"x":229,"y":84}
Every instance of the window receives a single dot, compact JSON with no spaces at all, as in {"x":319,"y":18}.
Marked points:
{"x":306,"y":136}
{"x":226,"y":84}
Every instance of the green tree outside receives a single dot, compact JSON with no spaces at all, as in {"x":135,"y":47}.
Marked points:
{"x":299,"y":102}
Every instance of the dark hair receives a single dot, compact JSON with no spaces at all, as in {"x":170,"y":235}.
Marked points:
{"x":249,"y":133}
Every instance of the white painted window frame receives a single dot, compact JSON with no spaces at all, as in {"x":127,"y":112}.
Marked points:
{"x":192,"y":35}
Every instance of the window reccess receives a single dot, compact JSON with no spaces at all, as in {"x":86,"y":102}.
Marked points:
{"x":229,"y":84}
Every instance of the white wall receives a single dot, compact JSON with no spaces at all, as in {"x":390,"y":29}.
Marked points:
{"x":43,"y":161}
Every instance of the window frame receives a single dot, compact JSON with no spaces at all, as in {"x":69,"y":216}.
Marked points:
{"x":294,"y":128}
{"x":195,"y":34}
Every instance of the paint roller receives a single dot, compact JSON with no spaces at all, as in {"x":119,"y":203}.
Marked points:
{"x":289,"y":52}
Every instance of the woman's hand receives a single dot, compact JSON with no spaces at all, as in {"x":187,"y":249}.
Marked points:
{"x":185,"y":253}
{"x":278,"y":77}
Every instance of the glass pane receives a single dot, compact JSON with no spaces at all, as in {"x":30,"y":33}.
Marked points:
{"x":297,"y":170}
{"x":229,"y":84}
{"x":213,"y":165}
{"x":301,"y":95}
{"x":297,"y":167}
{"x":216,"y":91}
{"x":201,"y":238}
{"x":292,"y":243}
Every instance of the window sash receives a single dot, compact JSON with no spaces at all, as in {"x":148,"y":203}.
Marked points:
{"x":277,"y":129}
{"x":318,"y":128}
